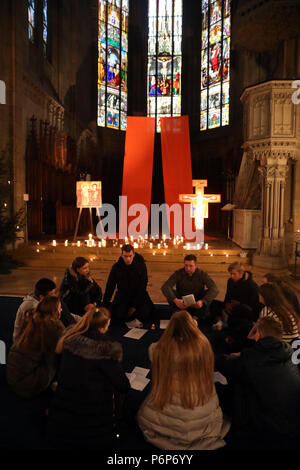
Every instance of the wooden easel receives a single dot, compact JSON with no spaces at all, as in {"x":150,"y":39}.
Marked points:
{"x":91,"y":220}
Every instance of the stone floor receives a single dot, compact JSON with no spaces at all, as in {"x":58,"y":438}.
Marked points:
{"x":43,"y":260}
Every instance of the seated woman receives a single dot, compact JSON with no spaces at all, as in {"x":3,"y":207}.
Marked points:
{"x":31,"y":360}
{"x":276,"y":306}
{"x":78,"y":289}
{"x":265,"y":386}
{"x":91,"y":385}
{"x":286,"y":290}
{"x":182,"y":411}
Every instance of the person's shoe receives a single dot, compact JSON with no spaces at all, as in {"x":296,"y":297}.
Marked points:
{"x":218,"y":326}
{"x":134,"y":323}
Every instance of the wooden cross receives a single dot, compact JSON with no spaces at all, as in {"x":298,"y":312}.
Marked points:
{"x":199,"y":202}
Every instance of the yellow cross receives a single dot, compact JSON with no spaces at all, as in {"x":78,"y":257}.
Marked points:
{"x":199,"y":202}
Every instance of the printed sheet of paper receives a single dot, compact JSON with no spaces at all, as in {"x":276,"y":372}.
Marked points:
{"x":188,"y":299}
{"x":163,"y":324}
{"x":137,"y":378}
{"x":135,"y":333}
{"x":218,"y":377}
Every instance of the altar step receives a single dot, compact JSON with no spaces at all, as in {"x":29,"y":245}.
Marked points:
{"x":43,"y":255}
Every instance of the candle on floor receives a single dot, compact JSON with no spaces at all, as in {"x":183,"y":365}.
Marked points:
{"x":54,"y":243}
{"x":66,"y":242}
{"x":78,"y":243}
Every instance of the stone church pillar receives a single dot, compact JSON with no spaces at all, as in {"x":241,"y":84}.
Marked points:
{"x":271,"y":243}
{"x":271,"y":137}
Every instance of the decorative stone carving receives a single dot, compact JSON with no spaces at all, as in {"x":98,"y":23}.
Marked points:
{"x":270,"y":138}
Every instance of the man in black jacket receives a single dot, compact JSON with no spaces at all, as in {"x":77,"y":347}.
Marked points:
{"x":190,"y":280}
{"x":131,"y":301}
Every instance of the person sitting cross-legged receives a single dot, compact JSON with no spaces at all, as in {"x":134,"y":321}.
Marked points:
{"x":241,"y":304}
{"x":265,"y":387}
{"x":131,"y":302}
{"x":89,"y":398}
{"x":182,"y":410}
{"x":43,"y":288}
{"x":31,"y":363}
{"x":190,"y":280}
{"x":78,"y":289}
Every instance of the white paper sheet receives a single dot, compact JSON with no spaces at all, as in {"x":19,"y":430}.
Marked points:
{"x":135,"y":333}
{"x":218,"y":377}
{"x":140,"y":371}
{"x":163,"y":324}
{"x":137,"y":378}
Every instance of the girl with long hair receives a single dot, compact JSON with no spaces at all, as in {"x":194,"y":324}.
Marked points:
{"x":91,"y":385}
{"x":182,"y":410}
{"x":276,"y":306}
{"x":31,"y":364}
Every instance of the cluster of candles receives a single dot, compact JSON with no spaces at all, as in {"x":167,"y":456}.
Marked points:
{"x":141,"y":242}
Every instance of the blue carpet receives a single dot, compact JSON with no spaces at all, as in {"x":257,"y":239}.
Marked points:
{"x":22,"y":422}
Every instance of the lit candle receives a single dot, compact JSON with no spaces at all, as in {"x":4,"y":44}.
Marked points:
{"x":37,"y":251}
{"x":104,"y":243}
{"x":78,"y":243}
{"x":66,"y":242}
{"x":90,"y":236}
{"x":54,"y":243}
{"x":188,"y":246}
{"x":99,"y":244}
{"x":158,"y":246}
{"x":164,"y":253}
{"x":37,"y":243}
{"x":151,"y":246}
{"x":206,"y":246}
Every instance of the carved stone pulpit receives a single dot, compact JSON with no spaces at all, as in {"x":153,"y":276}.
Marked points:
{"x":272,"y":138}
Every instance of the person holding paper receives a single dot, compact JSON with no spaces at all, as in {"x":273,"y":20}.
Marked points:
{"x":131,"y":301}
{"x":182,"y":411}
{"x":190,"y":281}
{"x":91,"y":386}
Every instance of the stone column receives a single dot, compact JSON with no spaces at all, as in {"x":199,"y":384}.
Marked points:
{"x":271,"y":246}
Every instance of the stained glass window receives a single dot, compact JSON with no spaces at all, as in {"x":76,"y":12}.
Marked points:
{"x":215,"y":64}
{"x":112,"y":63}
{"x":164,"y":59}
{"x":45,"y":27}
{"x":31,"y":20}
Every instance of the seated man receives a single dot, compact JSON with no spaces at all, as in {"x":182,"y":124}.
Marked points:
{"x":241,"y":304}
{"x":44,"y":287}
{"x":78,"y":289}
{"x":131,"y":301}
{"x":190,"y":280}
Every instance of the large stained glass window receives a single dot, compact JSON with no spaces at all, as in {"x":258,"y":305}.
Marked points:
{"x":31,"y":20}
{"x":215,"y":64}
{"x":45,"y":27}
{"x":112,"y":63}
{"x":164,"y":59}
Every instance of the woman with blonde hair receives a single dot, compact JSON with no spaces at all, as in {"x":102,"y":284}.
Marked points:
{"x":276,"y":306}
{"x":182,"y":411}
{"x":31,"y":364}
{"x":90,"y":385}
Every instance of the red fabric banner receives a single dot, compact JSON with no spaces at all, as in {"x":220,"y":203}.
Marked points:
{"x":176,"y":161}
{"x":137,"y":169}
